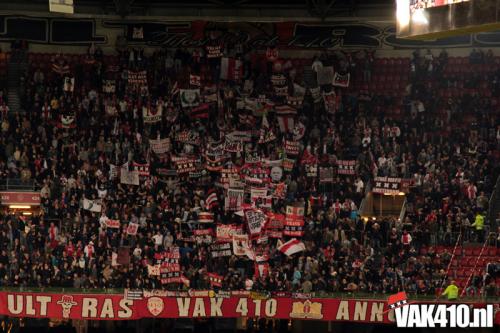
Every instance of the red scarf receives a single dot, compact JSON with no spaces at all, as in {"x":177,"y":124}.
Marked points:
{"x":52,"y":232}
{"x":337,"y":207}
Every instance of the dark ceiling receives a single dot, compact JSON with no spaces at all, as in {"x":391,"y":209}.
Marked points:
{"x":220,"y":9}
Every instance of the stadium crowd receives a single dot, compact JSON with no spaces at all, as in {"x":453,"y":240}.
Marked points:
{"x":92,"y":119}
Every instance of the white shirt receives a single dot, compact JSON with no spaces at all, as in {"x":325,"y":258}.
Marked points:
{"x":317,"y":65}
{"x":158,"y":239}
{"x":359,"y":186}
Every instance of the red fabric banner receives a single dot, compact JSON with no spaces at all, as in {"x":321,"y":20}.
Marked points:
{"x":165,"y":304}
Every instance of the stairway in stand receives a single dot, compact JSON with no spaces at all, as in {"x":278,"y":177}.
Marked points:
{"x":16,"y":69}
{"x":466,"y":257}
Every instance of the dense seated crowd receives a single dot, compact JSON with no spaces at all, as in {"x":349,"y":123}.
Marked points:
{"x":89,"y":131}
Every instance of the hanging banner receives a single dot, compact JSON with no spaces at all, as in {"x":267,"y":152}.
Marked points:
{"x":341,"y":80}
{"x":225,"y":232}
{"x":241,"y":245}
{"x":141,"y":169}
{"x":326,"y":175}
{"x":292,"y":147}
{"x":139,"y":78}
{"x":190,"y":97}
{"x":346,"y":167}
{"x":294,"y":221}
{"x":171,"y":304}
{"x":234,"y":199}
{"x":160,"y":146}
{"x":129,"y":177}
{"x":151,"y":114}
{"x":221,"y":250}
{"x":256,"y":220}
{"x":390,"y":185}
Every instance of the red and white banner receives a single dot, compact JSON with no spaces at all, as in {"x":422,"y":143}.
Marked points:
{"x":205,"y":217}
{"x":346,"y":167}
{"x":292,"y":147}
{"x":224,"y":232}
{"x":142,"y":169}
{"x":194,"y":80}
{"x":166,"y":304}
{"x":20,"y":198}
{"x":241,"y":245}
{"x":113,"y":224}
{"x":294,"y":221}
{"x":132,"y":228}
{"x":160,"y":146}
{"x":231,"y":69}
{"x":215,"y":279}
{"x":341,"y":80}
{"x":286,"y":123}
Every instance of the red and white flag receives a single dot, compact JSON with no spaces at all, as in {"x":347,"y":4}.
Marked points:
{"x":205,"y":217}
{"x":231,"y":69}
{"x":285,"y":110}
{"x":287,"y":123}
{"x":194,"y":80}
{"x":261,"y":269}
{"x":291,"y":247}
{"x":114,"y":224}
{"x":212,"y":200}
{"x":215,"y":279}
{"x":132,"y":228}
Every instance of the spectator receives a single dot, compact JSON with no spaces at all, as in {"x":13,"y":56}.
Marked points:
{"x":451,"y":292}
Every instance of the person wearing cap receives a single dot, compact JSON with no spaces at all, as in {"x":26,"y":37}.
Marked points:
{"x":451,"y":291}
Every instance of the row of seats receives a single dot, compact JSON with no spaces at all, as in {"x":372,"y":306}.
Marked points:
{"x":467,"y":251}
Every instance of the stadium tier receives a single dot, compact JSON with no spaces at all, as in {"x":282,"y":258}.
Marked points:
{"x":191,"y":170}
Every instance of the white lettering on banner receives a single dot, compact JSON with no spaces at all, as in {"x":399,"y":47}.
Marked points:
{"x":377,"y":312}
{"x":15,"y":306}
{"x":30,"y":310}
{"x":271,"y":305}
{"x":183,"y":306}
{"x":89,"y":308}
{"x":360,"y":310}
{"x":126,"y":311}
{"x":242,"y":307}
{"x":44,"y":301}
{"x":343,"y":311}
{"x":257,"y":306}
{"x":199,"y":308}
{"x":107,"y":309}
{"x":216,"y":307}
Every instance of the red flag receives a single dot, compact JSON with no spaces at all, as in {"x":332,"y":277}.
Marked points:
{"x":215,"y":279}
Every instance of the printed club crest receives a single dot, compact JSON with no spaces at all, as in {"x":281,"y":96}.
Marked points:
{"x":155,"y":306}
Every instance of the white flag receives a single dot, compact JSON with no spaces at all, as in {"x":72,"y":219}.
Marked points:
{"x":92,"y":205}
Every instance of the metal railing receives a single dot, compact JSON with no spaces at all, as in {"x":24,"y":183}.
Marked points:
{"x":403,"y":212}
{"x":17,"y":184}
{"x":494,"y":205}
{"x":469,"y":236}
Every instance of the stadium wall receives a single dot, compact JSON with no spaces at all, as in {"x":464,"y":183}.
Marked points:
{"x":294,"y":39}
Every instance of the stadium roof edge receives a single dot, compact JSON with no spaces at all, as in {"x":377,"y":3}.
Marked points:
{"x":254,"y":13}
